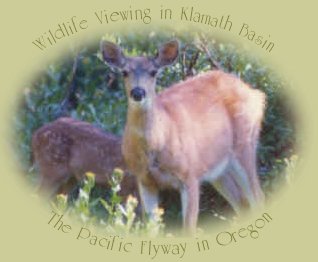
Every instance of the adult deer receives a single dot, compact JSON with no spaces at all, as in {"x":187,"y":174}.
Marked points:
{"x":66,"y":149}
{"x":203,"y":129}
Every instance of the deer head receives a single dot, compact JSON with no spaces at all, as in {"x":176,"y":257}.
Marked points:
{"x":140,"y":72}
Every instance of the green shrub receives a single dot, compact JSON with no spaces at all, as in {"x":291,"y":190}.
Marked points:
{"x":120,"y":218}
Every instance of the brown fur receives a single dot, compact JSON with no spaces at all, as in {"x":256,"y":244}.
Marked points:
{"x":67,"y":148}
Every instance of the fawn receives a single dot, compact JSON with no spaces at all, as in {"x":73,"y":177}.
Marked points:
{"x":67,"y":148}
{"x":205,"y":128}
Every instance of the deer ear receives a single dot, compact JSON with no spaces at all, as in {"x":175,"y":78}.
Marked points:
{"x":112,"y":54}
{"x":167,"y":53}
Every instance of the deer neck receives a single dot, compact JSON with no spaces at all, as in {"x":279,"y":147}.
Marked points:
{"x":143,"y":121}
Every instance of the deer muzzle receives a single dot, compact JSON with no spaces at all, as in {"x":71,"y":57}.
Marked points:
{"x":138,"y":94}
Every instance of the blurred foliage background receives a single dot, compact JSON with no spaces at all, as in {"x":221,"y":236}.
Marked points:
{"x":97,"y":96}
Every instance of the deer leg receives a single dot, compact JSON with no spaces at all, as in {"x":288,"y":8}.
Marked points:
{"x":52,"y":178}
{"x":241,"y":177}
{"x":50,"y":185}
{"x":68,"y":186}
{"x":229,"y":189}
{"x":257,"y":190}
{"x":247,"y":128}
{"x":244,"y":164}
{"x":190,"y":195}
{"x":149,"y":196}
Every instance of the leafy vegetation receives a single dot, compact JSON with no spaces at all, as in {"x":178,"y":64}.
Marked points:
{"x":120,"y":218}
{"x":100,"y":99}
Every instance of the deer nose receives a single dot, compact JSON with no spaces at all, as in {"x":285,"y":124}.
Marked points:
{"x":138,"y":94}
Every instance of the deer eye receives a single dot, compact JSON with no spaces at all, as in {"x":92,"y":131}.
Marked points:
{"x":125,"y":73}
{"x":153,"y":73}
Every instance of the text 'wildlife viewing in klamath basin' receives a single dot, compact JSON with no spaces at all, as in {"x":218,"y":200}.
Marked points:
{"x":105,"y":17}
